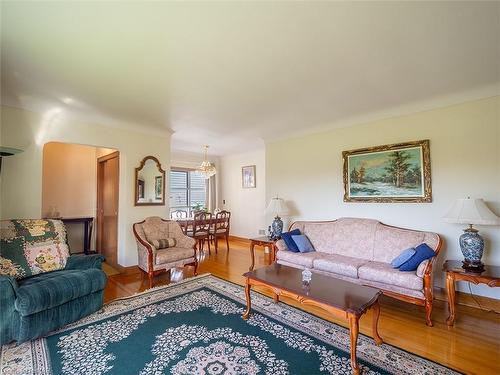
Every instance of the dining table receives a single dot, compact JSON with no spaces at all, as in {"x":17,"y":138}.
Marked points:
{"x":187,"y":223}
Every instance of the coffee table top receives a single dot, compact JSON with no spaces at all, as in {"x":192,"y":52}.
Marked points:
{"x":334,"y":292}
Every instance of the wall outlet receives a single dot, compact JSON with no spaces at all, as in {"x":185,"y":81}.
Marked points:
{"x":262,"y":231}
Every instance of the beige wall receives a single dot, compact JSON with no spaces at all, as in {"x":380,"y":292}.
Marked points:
{"x":69,"y":179}
{"x":246,"y":205}
{"x":69,"y":185}
{"x":465,"y":159}
{"x":21,"y":181}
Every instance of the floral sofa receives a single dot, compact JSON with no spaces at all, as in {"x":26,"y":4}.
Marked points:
{"x":360,"y":251}
{"x":42,"y":287}
{"x":162,"y":245}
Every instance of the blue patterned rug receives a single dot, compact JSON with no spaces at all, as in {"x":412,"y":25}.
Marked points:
{"x":195,"y":327}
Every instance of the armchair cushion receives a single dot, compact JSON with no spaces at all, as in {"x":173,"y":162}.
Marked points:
{"x":52,"y":289}
{"x":173,"y":254}
{"x":163,"y":243}
{"x":84,"y":262}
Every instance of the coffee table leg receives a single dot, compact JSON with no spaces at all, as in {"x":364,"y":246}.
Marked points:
{"x":276,"y":296}
{"x":376,"y":314}
{"x":252,"y":255}
{"x":450,"y":286}
{"x":354,"y":331}
{"x":246,"y":314}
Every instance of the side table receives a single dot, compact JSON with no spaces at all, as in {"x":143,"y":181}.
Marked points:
{"x":454,"y":272}
{"x":262,"y":241}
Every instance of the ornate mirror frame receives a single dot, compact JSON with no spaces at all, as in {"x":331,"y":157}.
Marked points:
{"x":160,"y":169}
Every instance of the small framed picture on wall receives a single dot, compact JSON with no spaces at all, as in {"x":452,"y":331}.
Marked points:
{"x":248,"y":177}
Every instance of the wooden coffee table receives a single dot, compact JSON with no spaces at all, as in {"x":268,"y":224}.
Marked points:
{"x":342,"y":299}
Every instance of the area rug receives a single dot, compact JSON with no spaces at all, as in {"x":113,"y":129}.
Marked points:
{"x":195,"y":327}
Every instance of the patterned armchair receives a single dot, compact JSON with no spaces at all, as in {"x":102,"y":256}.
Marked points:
{"x":162,"y":245}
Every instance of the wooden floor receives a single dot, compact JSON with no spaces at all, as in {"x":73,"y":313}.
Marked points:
{"x":472,"y":346}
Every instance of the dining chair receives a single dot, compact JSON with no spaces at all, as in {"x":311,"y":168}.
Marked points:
{"x":202,"y":222}
{"x":220,"y":228}
{"x":181,"y":217}
{"x":178,"y":214}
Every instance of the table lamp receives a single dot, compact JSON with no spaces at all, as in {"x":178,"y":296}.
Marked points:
{"x":471,"y":211}
{"x":277,"y":207}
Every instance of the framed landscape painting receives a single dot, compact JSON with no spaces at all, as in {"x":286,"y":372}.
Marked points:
{"x":392,"y":173}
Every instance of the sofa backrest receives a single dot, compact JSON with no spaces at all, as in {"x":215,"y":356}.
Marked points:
{"x":363,"y":238}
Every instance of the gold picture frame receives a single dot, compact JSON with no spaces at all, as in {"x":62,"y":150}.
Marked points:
{"x":394,"y":173}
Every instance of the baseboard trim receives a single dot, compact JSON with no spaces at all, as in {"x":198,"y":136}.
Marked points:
{"x":239,"y":239}
{"x":466,"y":299}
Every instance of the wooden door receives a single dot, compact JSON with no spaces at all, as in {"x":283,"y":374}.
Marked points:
{"x":107,"y":207}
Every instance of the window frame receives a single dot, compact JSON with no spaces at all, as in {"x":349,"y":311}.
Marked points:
{"x":188,"y":189}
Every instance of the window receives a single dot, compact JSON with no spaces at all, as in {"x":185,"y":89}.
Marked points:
{"x":187,"y":189}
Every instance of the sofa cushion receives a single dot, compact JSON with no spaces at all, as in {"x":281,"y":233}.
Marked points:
{"x":422,"y":252}
{"x":173,"y":254}
{"x":403,"y":257}
{"x":48,"y":290}
{"x":321,"y":235}
{"x":300,"y":259}
{"x":290,"y":243}
{"x":354,"y":237}
{"x":390,"y":241}
{"x":339,"y":264}
{"x":303,"y":243}
{"x":384,"y":273}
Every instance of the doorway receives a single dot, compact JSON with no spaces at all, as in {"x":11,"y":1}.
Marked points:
{"x":69,"y":192}
{"x":107,"y":207}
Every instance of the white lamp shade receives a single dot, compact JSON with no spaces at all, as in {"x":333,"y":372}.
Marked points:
{"x":471,"y":211}
{"x":277,"y":207}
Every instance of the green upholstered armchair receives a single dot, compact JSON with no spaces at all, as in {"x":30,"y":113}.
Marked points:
{"x":36,"y":300}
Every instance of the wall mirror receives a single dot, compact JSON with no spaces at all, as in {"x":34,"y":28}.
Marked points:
{"x":149,"y":183}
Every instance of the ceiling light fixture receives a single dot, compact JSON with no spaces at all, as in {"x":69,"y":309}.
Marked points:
{"x":206,"y":169}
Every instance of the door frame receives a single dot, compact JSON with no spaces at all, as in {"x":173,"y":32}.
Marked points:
{"x":99,"y":221}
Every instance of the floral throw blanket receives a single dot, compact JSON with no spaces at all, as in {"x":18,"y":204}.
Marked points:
{"x":32,"y":246}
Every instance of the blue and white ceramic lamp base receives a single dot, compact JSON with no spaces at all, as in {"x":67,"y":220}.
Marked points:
{"x":276,"y":228}
{"x":472,"y":246}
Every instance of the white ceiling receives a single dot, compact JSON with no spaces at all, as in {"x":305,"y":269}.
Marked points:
{"x":233,"y":74}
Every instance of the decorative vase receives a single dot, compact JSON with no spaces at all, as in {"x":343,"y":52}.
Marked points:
{"x":472,"y":246}
{"x":306,"y":275}
{"x":277,"y":227}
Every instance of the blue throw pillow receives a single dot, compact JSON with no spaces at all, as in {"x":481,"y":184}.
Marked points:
{"x":290,"y":244}
{"x":303,"y":243}
{"x":422,"y":252}
{"x":403,"y":257}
